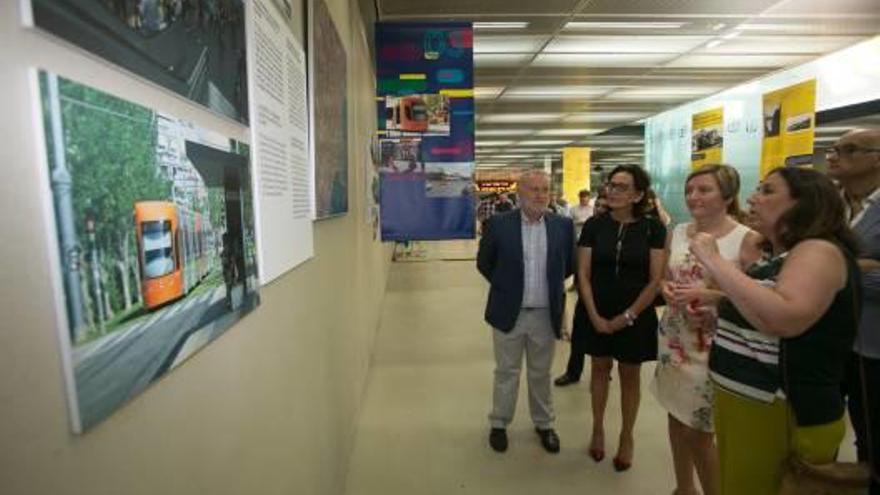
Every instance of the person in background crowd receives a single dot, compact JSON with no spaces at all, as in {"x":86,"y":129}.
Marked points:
{"x":784,"y":334}
{"x":854,"y":162}
{"x":582,"y":211}
{"x":525,"y":254}
{"x":503,"y":204}
{"x":655,"y":209}
{"x":681,"y":380}
{"x":620,"y":264}
{"x":560,"y":206}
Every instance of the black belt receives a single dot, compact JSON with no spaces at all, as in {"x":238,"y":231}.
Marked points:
{"x":532,"y":309}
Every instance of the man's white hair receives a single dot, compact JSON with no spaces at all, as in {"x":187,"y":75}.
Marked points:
{"x":528,"y":174}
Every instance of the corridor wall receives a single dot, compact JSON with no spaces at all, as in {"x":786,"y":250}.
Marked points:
{"x":270,"y":407}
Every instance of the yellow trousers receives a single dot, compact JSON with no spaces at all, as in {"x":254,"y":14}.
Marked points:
{"x":755,"y":439}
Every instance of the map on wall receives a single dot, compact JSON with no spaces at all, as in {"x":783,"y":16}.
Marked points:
{"x":329,"y":113}
{"x":156,"y":250}
{"x":195,"y":48}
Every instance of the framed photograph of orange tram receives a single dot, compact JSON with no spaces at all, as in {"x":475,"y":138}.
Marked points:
{"x":152,"y":225}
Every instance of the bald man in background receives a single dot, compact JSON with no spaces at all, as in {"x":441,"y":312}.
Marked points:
{"x":854,"y":162}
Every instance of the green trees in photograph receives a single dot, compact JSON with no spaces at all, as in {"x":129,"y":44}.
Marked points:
{"x":111,"y":154}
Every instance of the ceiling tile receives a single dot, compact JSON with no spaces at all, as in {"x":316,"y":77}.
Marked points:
{"x":501,"y":59}
{"x":725,"y":60}
{"x":600,"y":59}
{"x":508,"y":44}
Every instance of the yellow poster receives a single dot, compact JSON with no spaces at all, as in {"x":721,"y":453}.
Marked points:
{"x":789,"y":127}
{"x":575,"y":173}
{"x":707,"y":137}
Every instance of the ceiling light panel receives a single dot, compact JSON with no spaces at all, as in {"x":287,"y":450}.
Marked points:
{"x":601,"y":59}
{"x":659,"y":93}
{"x":507,"y":44}
{"x":483,"y":143}
{"x":719,"y":60}
{"x":519,"y":118}
{"x":504,"y":132}
{"x":500,"y":25}
{"x":555,"y":92}
{"x":487,"y":92}
{"x":625,"y":44}
{"x":568,"y":132}
{"x":590,"y":117}
{"x":483,"y":60}
{"x":782,"y":45}
{"x":545,"y":142}
{"x":585,"y":25}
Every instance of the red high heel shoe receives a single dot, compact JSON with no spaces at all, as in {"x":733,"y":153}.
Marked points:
{"x":620,"y":465}
{"x":597,"y":454}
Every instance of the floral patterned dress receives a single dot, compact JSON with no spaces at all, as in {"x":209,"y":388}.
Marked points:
{"x":681,"y":379}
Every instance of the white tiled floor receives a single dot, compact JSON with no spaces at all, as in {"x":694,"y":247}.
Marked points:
{"x":423,"y":427}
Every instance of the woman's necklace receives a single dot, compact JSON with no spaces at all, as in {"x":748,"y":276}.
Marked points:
{"x":621,"y":233}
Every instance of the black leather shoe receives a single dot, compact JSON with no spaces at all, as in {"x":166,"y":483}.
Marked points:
{"x":498,"y":439}
{"x":549,"y":440}
{"x":564,"y":380}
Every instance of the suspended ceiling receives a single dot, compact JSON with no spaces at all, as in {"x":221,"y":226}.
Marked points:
{"x":554,"y":73}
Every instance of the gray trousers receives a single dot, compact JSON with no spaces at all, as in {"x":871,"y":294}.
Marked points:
{"x":534,"y":335}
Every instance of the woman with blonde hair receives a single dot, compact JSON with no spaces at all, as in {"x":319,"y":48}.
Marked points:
{"x":681,"y":381}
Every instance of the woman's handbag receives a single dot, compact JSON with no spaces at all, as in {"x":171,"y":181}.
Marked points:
{"x":834,"y":478}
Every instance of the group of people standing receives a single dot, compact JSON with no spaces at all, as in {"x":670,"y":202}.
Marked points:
{"x":757,"y":350}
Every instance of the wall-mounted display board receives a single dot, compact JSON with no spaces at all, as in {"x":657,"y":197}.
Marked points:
{"x":789,"y":126}
{"x":707,"y":137}
{"x":426,"y":124}
{"x":195,"y":48}
{"x":280,"y":137}
{"x":152,"y":226}
{"x":328,"y":93}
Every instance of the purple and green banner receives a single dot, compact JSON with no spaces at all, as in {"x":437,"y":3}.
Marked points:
{"x":426,"y":129}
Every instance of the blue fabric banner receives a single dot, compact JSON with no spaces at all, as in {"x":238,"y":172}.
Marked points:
{"x":425,"y":106}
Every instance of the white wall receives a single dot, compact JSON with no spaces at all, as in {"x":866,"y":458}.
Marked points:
{"x":267,"y":408}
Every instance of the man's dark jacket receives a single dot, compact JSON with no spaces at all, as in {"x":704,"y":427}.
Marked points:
{"x":500,"y":260}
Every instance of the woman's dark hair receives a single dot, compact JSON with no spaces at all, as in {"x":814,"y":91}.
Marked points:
{"x":641,"y":182}
{"x":727,"y":179}
{"x":818,"y":212}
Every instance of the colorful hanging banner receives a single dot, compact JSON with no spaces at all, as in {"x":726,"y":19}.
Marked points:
{"x":789,"y":127}
{"x":425,"y":104}
{"x":575,"y":172}
{"x":706,"y":137}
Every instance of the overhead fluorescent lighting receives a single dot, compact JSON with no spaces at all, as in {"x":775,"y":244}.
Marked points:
{"x":482,"y":143}
{"x":568,"y":132}
{"x":501,"y":25}
{"x":525,"y":92}
{"x":623,"y":25}
{"x":653,"y":93}
{"x":762,"y":26}
{"x":602,"y":117}
{"x":622,"y":43}
{"x":485,"y":92}
{"x":504,"y":132}
{"x":545,"y":142}
{"x":713,"y":43}
{"x":514,"y":118}
{"x":719,"y":26}
{"x":731,"y":35}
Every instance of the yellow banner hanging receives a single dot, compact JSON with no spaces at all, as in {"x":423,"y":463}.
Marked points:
{"x":789,"y":127}
{"x":707,"y":139}
{"x":575,"y":172}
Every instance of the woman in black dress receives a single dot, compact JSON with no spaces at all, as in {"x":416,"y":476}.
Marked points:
{"x":620,"y":259}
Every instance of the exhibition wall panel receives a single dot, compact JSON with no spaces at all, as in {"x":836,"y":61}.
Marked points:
{"x":843,"y":78}
{"x":269,"y":407}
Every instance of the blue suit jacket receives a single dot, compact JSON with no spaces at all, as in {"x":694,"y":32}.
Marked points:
{"x":500,"y":260}
{"x":868,"y":230}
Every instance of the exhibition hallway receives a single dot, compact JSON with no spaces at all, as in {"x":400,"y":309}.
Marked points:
{"x":423,"y":427}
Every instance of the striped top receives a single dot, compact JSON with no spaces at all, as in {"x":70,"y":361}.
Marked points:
{"x":534,"y":240}
{"x":744,"y":360}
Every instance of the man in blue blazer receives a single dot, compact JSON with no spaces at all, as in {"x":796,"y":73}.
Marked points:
{"x":854,"y":162}
{"x":525,"y":254}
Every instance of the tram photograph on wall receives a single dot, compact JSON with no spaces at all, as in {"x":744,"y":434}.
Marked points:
{"x":195,"y":48}
{"x":156,"y":252}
